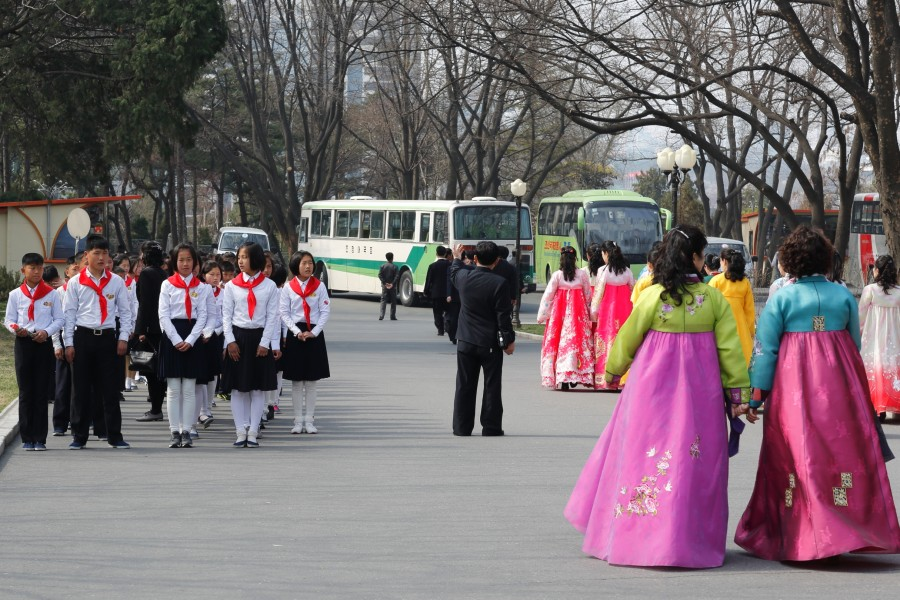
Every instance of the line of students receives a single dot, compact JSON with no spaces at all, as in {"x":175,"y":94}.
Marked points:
{"x":92,"y":318}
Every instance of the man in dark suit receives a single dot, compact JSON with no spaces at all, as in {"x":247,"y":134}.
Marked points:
{"x":485,"y":312}
{"x":436,"y":287}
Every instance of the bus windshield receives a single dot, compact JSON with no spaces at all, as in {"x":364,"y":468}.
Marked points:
{"x":489,"y":223}
{"x":634,"y":227}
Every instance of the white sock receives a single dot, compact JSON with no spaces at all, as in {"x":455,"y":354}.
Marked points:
{"x":297,"y":401}
{"x":311,"y":396}
{"x":240,"y":410}
{"x":189,"y":409}
{"x":174,"y":402}
{"x":257,"y":408}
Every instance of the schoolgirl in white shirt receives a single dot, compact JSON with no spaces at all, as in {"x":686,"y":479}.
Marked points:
{"x":305,"y":308}
{"x":211,"y":347}
{"x":182,"y":317}
{"x":251,"y":327}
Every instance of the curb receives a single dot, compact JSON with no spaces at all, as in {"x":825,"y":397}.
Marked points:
{"x":528,"y":336}
{"x":9,"y":424}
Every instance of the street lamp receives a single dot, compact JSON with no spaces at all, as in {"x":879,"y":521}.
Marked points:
{"x":518,"y":189}
{"x":667,"y":160}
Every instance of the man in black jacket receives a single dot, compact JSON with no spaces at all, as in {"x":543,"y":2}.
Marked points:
{"x":436,"y":287}
{"x":389,"y":275}
{"x":484,"y":333}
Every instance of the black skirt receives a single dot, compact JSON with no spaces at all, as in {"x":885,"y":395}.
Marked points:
{"x":174,"y":364}
{"x":212,"y":358}
{"x":251,"y":372}
{"x":305,"y":361}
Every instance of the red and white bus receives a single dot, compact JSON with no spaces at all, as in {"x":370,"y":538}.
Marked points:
{"x":867,"y":241}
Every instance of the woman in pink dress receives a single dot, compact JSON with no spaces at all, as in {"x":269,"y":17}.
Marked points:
{"x":821,"y":487}
{"x":566,"y":350}
{"x":879,"y":320}
{"x":610,"y":305}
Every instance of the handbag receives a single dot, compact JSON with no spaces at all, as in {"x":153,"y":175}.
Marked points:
{"x":143,"y":360}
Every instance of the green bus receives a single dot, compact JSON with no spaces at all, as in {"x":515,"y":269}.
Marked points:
{"x":349,"y":238}
{"x":583,"y":217}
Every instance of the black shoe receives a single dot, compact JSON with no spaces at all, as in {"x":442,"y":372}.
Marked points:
{"x":121,"y":397}
{"x":150,"y":416}
{"x":186,"y":441}
{"x":175,"y":442}
{"x":270,"y":413}
{"x":460,"y":434}
{"x":491,"y":432}
{"x":381,"y":318}
{"x":440,"y":333}
{"x":393,"y":318}
{"x":206,"y":422}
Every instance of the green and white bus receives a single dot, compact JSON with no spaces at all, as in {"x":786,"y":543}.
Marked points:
{"x":349,"y":238}
{"x":583,"y":217}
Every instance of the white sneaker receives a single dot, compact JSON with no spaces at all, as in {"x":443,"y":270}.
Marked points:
{"x":298,"y":428}
{"x":129,"y":385}
{"x":310,"y":428}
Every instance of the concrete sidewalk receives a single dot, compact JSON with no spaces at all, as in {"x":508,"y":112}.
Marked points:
{"x":383,"y":503}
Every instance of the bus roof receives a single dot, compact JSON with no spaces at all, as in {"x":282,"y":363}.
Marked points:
{"x":600,"y":195}
{"x":374,"y":204}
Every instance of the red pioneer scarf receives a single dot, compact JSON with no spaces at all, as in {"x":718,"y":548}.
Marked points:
{"x":85,"y":280}
{"x":40,"y":291}
{"x":178,"y":282}
{"x":311,"y":285}
{"x":217,"y":291}
{"x":241,"y":282}
{"x":128,"y":282}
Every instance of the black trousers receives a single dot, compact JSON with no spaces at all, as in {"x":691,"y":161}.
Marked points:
{"x":452,"y":319}
{"x":94,"y":374}
{"x":439,"y":307}
{"x":389,"y":295}
{"x":470,"y":360}
{"x":62,"y":403}
{"x":34,"y":364}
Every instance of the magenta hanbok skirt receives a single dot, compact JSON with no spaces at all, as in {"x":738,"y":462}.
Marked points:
{"x":566,"y":349}
{"x":654,"y":492}
{"x":821,"y":488}
{"x":614,"y":310}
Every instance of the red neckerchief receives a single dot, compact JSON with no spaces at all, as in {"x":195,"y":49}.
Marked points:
{"x":241,"y":282}
{"x":85,"y":280}
{"x":312,"y":284}
{"x":128,"y":281}
{"x":41,"y":290}
{"x":178,"y":282}
{"x":217,"y":291}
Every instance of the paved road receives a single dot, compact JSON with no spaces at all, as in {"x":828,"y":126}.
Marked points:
{"x":383,"y":503}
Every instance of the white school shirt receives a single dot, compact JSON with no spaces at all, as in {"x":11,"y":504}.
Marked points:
{"x":58,"y":336}
{"x":291,"y":307}
{"x":48,"y":312}
{"x":172,"y":306}
{"x":213,"y":311}
{"x":235,"y":312}
{"x":132,"y":289}
{"x":82,"y":307}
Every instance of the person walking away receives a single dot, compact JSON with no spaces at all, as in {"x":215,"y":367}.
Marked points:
{"x":821,"y":486}
{"x":94,"y":300}
{"x":735,"y":286}
{"x":484,"y":334}
{"x":610,"y":305}
{"x":566,"y":355}
{"x":34,"y":313}
{"x":879,"y":322}
{"x":389,"y":275}
{"x":436,"y":287}
{"x":304,"y":307}
{"x":147,"y":327}
{"x":646,"y":280}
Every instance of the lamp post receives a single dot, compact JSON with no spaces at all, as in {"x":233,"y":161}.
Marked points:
{"x":518,"y":189}
{"x":676,"y":164}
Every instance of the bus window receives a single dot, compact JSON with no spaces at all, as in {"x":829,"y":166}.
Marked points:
{"x":354,"y":223}
{"x":865,"y":217}
{"x":343,"y":223}
{"x":408,"y":225}
{"x":325,"y":229}
{"x":545,"y":217}
{"x":366,"y":224}
{"x":489,"y":223}
{"x":424,"y":226}
{"x":316,"y":222}
{"x":440,"y":227}
{"x":377,"y":225}
{"x":569,"y":221}
{"x":393,"y":232}
{"x":302,"y":231}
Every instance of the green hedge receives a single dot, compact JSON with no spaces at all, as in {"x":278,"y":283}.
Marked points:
{"x":9,"y":280}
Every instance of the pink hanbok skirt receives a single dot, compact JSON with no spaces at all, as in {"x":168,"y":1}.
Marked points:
{"x":821,"y":488}
{"x":566,"y":350}
{"x":614,"y":310}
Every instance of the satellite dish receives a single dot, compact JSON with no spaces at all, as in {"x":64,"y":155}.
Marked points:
{"x":79,"y":223}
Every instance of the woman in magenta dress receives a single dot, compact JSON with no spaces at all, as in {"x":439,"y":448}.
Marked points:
{"x":821,"y":488}
{"x":654,"y":491}
{"x":610,"y":305}
{"x":566,"y":357}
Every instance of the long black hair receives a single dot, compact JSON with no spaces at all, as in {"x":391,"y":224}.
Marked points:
{"x":615,"y":261}
{"x":567,"y":260}
{"x":887,"y":272}
{"x":676,"y":261}
{"x":595,"y":259}
{"x":736,"y":264}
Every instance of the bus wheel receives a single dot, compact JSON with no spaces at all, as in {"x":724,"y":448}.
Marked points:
{"x":406,"y":293}
{"x":322,"y":276}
